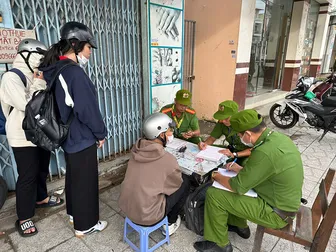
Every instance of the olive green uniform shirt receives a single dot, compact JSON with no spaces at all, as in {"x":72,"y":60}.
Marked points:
{"x":189,"y":123}
{"x":274,"y":170}
{"x":234,"y":140}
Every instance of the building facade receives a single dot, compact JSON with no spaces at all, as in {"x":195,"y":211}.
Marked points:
{"x":248,"y":49}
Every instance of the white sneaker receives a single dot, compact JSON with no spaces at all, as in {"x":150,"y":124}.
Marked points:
{"x":172,"y":227}
{"x":71,"y":219}
{"x":100,"y":226}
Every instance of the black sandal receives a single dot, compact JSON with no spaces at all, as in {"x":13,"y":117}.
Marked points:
{"x":51,"y":203}
{"x":21,"y":228}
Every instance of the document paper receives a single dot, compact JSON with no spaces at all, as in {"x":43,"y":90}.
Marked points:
{"x":250,"y":193}
{"x":176,"y":144}
{"x":211,"y":153}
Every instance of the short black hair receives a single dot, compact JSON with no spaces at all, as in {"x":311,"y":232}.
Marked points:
{"x":259,"y":128}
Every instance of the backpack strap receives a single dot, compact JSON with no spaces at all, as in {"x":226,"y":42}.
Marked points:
{"x":20,"y":74}
{"x":23,"y":79}
{"x":57,"y":73}
{"x":65,"y":64}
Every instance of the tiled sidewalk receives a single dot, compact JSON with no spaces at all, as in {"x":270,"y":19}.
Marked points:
{"x":56,"y":233}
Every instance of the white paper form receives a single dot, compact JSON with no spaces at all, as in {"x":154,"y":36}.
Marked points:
{"x":176,"y":144}
{"x":211,"y":153}
{"x":250,"y":193}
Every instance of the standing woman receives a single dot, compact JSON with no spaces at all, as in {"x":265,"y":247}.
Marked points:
{"x":32,"y":162}
{"x":76,"y":97}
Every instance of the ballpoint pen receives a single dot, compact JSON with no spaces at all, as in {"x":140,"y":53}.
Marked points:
{"x":234,"y":161}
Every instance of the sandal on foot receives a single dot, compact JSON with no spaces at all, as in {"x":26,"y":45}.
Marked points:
{"x":53,"y":201}
{"x":21,"y":228}
{"x":100,"y":226}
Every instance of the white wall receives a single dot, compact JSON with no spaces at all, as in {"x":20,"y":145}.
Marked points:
{"x":246,"y":30}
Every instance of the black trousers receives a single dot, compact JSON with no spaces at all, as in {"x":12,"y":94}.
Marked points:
{"x":81,"y":187}
{"x":175,"y":201}
{"x":33,"y":168}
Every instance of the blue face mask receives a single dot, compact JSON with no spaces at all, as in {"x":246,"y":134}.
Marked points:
{"x":247,"y":144}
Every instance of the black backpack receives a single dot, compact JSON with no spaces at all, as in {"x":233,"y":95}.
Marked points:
{"x":194,"y":209}
{"x":42,"y":122}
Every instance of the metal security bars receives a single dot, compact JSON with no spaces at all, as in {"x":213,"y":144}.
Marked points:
{"x":7,"y":163}
{"x":189,"y":52}
{"x":114,"y":66}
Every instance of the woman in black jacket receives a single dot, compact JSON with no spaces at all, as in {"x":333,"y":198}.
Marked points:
{"x":76,"y":97}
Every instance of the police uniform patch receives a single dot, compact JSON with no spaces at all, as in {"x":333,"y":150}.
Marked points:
{"x":190,"y":111}
{"x":165,"y":111}
{"x":185,"y":96}
{"x":221,"y":108}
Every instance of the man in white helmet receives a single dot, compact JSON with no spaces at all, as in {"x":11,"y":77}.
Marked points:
{"x":154,"y":186}
{"x":17,"y":87}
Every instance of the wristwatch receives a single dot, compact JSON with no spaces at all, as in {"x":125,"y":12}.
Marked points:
{"x":235,"y":154}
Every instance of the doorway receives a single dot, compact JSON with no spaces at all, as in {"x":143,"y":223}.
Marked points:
{"x":309,"y":37}
{"x":269,"y":36}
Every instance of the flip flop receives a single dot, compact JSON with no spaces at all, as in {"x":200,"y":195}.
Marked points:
{"x":21,"y":228}
{"x":51,"y":203}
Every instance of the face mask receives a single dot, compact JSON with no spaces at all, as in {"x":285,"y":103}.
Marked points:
{"x":32,"y":60}
{"x":82,"y":61}
{"x":35,"y":59}
{"x":170,"y":139}
{"x":247,"y":144}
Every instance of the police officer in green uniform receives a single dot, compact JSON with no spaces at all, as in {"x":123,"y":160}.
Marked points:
{"x":187,"y":127}
{"x":274,"y":170}
{"x":236,"y":148}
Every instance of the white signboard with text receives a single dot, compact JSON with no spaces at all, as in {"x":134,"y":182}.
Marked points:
{"x":9,"y":41}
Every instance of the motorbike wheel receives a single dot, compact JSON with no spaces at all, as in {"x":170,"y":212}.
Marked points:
{"x":3,"y":191}
{"x":285,"y":119}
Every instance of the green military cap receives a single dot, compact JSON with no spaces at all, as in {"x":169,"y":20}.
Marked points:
{"x":225,"y":110}
{"x":245,"y":120}
{"x":183,"y":97}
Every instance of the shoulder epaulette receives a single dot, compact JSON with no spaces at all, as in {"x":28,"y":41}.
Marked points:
{"x":193,"y":112}
{"x":165,"y":111}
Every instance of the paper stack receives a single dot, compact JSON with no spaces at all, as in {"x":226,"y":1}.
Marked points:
{"x":176,"y":144}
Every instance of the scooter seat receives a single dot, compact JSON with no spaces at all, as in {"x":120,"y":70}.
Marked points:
{"x":329,"y":101}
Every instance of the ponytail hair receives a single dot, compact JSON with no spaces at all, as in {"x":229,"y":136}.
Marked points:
{"x":51,"y":56}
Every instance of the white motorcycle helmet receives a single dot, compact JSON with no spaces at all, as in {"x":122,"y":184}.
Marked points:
{"x":155,"y":124}
{"x":29,"y":46}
